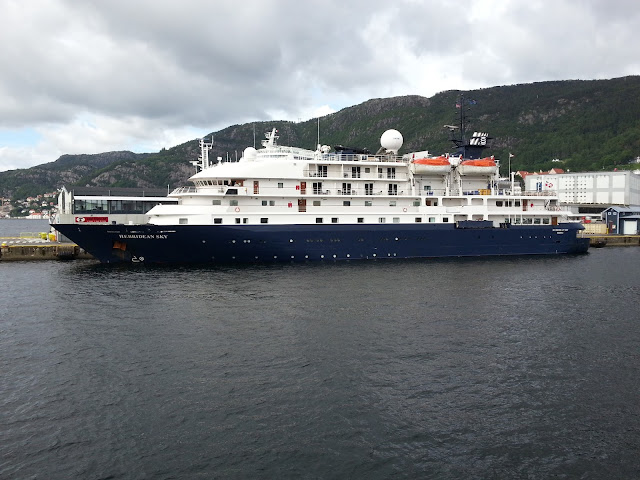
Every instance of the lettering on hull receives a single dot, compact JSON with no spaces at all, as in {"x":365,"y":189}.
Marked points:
{"x":158,"y":236}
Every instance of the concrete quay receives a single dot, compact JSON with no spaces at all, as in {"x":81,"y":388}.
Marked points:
{"x":34,"y":249}
{"x":613,"y":240}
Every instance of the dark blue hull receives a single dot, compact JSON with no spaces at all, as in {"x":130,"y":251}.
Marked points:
{"x":300,"y":243}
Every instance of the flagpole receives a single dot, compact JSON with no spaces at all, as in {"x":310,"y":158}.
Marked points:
{"x":510,"y":177}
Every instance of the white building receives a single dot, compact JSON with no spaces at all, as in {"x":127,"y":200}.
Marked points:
{"x":588,"y":188}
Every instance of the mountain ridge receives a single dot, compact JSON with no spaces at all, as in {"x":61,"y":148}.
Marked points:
{"x":587,"y":124}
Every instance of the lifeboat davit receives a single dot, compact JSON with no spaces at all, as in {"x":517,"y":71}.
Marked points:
{"x":482,"y":166}
{"x":432,"y":165}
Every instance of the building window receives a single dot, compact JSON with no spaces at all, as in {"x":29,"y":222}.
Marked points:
{"x":245,"y":220}
{"x":418,"y":220}
{"x":264,"y":203}
{"x":416,"y":203}
{"x":280,"y":185}
{"x":392,"y":203}
{"x":216,"y":202}
{"x":317,"y":188}
{"x":432,"y":219}
{"x":360,"y":220}
{"x":183,"y":221}
{"x":217,"y":220}
{"x":368,"y":188}
{"x":396,"y":219}
{"x":346,"y":203}
{"x":233,"y":203}
{"x":316,"y":203}
{"x":272,"y":203}
{"x":264,"y":220}
{"x":319,"y":220}
{"x":445,"y":219}
{"x":368,"y":203}
{"x":382,"y":220}
{"x":237,"y":220}
{"x":334,"y":220}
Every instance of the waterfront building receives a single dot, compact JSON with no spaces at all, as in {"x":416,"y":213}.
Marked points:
{"x":588,"y":189}
{"x":622,"y":220}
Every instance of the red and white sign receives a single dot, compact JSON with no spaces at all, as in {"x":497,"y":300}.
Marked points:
{"x":92,"y":219}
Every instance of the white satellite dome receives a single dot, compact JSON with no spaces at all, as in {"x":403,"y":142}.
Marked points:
{"x":249,"y":154}
{"x":391,"y":140}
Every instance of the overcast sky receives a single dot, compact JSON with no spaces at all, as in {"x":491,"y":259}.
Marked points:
{"x":90,"y":76}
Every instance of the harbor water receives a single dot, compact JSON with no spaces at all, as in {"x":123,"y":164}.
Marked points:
{"x":444,"y":369}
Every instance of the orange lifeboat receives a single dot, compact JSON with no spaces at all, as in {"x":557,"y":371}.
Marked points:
{"x":431,"y":165}
{"x":481,"y":166}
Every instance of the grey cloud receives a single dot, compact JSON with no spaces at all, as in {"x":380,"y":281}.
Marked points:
{"x":205,"y":64}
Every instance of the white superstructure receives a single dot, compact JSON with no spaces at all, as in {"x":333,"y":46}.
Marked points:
{"x":288,"y":185}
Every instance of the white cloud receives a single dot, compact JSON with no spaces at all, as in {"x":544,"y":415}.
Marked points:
{"x":99,"y":76}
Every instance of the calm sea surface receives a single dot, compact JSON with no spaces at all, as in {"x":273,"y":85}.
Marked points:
{"x":446,"y":369}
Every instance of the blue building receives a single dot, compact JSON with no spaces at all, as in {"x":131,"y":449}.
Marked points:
{"x":622,"y":220}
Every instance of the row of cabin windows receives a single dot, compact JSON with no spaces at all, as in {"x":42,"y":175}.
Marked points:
{"x":369,"y":203}
{"x":517,"y":220}
{"x":184,"y":221}
{"x":322,"y":171}
{"x":392,"y":189}
{"x":531,"y":221}
{"x":317,"y":203}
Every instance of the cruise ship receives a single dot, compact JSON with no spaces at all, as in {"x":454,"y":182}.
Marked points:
{"x":288,"y":204}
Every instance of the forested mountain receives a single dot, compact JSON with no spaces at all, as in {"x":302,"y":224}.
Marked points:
{"x":588,"y":125}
